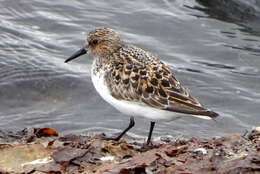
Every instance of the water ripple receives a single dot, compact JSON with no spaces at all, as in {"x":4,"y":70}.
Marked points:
{"x":214,"y":51}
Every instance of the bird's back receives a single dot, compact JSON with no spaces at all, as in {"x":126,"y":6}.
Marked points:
{"x":138,"y":76}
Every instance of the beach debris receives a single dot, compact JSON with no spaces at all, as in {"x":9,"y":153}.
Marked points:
{"x":37,"y":151}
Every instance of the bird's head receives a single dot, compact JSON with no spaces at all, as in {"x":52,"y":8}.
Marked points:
{"x":101,"y":42}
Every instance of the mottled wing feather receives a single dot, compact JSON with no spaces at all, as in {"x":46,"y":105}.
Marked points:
{"x":141,"y":77}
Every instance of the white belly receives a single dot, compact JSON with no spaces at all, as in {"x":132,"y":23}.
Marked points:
{"x":127,"y":107}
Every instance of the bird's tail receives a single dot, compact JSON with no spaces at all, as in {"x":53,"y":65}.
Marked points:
{"x":207,"y":114}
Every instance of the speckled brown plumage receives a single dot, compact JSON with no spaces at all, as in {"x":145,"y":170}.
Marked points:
{"x":137,"y":75}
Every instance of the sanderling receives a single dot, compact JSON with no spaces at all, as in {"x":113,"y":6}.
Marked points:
{"x":136,"y":82}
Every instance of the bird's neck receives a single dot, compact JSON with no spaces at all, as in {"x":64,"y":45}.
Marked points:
{"x":100,"y":64}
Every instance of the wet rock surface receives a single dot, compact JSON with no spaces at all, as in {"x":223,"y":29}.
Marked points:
{"x":38,"y":151}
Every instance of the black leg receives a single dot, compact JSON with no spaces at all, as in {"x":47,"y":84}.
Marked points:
{"x":131,"y":124}
{"x":151,"y":132}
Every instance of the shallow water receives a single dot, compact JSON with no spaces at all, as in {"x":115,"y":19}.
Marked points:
{"x":213,"y":51}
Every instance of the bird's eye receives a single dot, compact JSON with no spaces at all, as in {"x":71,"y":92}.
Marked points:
{"x":95,"y":41}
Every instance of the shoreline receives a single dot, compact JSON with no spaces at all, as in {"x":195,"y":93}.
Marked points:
{"x":39,"y":151}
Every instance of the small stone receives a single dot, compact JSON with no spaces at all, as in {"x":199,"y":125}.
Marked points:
{"x":201,"y":150}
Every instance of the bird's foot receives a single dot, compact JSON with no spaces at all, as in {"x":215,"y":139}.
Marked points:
{"x":110,"y":138}
{"x":131,"y":124}
{"x":145,"y":147}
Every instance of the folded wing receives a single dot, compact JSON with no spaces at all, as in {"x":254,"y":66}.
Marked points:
{"x":141,"y":77}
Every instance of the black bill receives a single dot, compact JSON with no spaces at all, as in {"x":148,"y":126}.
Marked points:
{"x":76,"y":54}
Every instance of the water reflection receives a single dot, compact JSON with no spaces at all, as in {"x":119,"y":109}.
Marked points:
{"x":243,"y":13}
